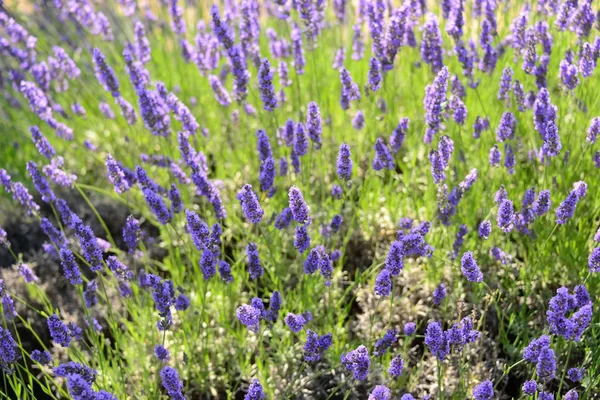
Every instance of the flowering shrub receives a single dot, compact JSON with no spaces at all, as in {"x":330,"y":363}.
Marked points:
{"x":300,"y":199}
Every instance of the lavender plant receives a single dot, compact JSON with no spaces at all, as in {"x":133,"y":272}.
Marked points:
{"x":195,"y":204}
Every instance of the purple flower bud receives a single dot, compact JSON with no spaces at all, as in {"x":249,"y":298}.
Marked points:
{"x":410,"y":328}
{"x":431,"y":45}
{"x":295,"y":322}
{"x":380,"y":392}
{"x":570,"y":395}
{"x":225,"y":271}
{"x":177,"y":23}
{"x":255,"y":391}
{"x":546,"y":364}
{"x":543,"y":112}
{"x":350,"y":90}
{"x":301,"y":239}
{"x":593,"y":130}
{"x":127,"y":110}
{"x":480,"y":125}
{"x":374,"y":77}
{"x":439,"y":294}
{"x":383,"y":283}
{"x":506,"y":127}
{"x":435,"y":95}
{"x":267,"y":175}
{"x":399,"y":134}
{"x":208,"y":264}
{"x":255,"y":268}
{"x":594,"y":260}
{"x":326,"y":268}
{"x":485,"y":228}
{"x":358,"y":45}
{"x":250,"y":205}
{"x":358,"y":122}
{"x":301,"y":144}
{"x":383,"y":158}
{"x":469,"y":268}
{"x":495,"y":156}
{"x":338,"y":59}
{"x":115,"y":175}
{"x":313,"y":124}
{"x":459,"y":110}
{"x":358,"y":362}
{"x":437,"y":166}
{"x":171,"y":382}
{"x":40,"y":183}
{"x":552,"y":144}
{"x":344,"y":162}
{"x":161,"y":353}
{"x":505,"y":83}
{"x":267,"y":91}
{"x":41,"y":143}
{"x":155,"y":113}
{"x":59,"y":331}
{"x":42,"y":357}
{"x":105,"y":74}
{"x":530,"y":387}
{"x":70,"y":267}
{"x":435,"y":339}
{"x":484,"y":390}
{"x":569,"y":75}
{"x":509,"y":158}
{"x":575,"y":374}
{"x":221,"y":94}
{"x":89,"y":294}
{"x":297,"y":49}
{"x":566,"y":209}
{"x":298,"y":206}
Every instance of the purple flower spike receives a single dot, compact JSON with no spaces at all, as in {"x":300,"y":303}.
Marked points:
{"x":157,"y":206}
{"x":105,"y":74}
{"x":484,"y":391}
{"x":506,"y":216}
{"x":469,"y":268}
{"x":250,"y":205}
{"x":300,"y":210}
{"x":221,"y":94}
{"x":399,"y":134}
{"x":350,"y":90}
{"x":313,"y":124}
{"x":358,"y":362}
{"x":344,"y":162}
{"x":115,"y":175}
{"x":374,"y":77}
{"x":435,"y":95}
{"x":265,"y":85}
{"x":255,"y":268}
{"x":383,"y":158}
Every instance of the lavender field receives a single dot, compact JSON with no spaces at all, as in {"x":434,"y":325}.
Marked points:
{"x":299,"y":199}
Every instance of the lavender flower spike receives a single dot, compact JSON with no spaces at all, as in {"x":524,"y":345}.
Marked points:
{"x":506,"y":215}
{"x":250,"y":205}
{"x":350,"y":90}
{"x":435,"y":95}
{"x":265,"y":86}
{"x":469,"y":268}
{"x":300,"y":210}
{"x":105,"y":74}
{"x":374,"y":74}
{"x":115,"y":175}
{"x":313,"y":124}
{"x":344,"y":162}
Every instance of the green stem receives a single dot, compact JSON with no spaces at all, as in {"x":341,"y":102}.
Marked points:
{"x":562,"y":379}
